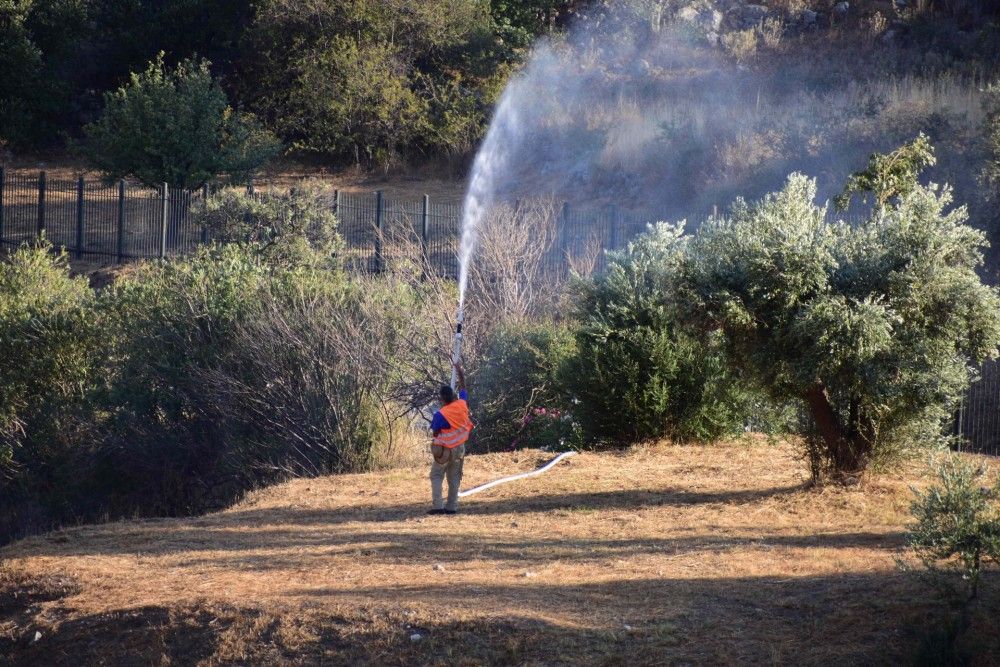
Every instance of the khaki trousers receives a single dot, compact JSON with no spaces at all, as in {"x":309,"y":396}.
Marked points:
{"x":447,"y":463}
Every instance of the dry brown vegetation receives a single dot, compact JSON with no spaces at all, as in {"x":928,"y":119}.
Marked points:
{"x":661,"y":555}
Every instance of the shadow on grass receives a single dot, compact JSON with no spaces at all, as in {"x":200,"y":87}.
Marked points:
{"x":289,"y":527}
{"x":869,"y":619}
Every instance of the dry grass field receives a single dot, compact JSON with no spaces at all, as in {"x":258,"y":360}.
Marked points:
{"x":667,"y":555}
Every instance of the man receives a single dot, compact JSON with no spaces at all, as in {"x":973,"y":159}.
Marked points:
{"x":450,"y":426}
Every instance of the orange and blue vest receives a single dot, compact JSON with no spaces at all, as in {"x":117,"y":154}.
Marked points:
{"x":459,"y":425}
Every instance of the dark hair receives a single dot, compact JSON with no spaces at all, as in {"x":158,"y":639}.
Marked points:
{"x":447,"y":393}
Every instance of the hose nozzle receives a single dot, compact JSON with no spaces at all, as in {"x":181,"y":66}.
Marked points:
{"x":456,"y":356}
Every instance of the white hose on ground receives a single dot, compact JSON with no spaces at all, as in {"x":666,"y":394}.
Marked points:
{"x":512,"y":478}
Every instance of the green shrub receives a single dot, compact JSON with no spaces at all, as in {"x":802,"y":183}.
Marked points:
{"x":297,"y":229}
{"x":175,"y":127}
{"x":955,"y":537}
{"x":636,"y":374}
{"x":48,"y":337}
{"x":518,"y":399}
{"x":234,"y":371}
{"x":52,"y":346}
{"x":957,"y":529}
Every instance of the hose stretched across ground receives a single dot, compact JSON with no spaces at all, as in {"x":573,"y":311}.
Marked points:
{"x":512,"y":478}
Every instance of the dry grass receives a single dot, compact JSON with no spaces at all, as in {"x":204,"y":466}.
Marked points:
{"x":663,"y":555}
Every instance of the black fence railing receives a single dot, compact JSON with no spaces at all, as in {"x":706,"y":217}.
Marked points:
{"x":119,"y":222}
{"x":977,"y":421}
{"x":123,"y":221}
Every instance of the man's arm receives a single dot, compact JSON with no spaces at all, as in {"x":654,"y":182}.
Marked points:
{"x":460,"y":372}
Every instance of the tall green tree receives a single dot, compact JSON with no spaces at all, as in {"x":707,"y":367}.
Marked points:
{"x":874,"y":328}
{"x":175,"y":126}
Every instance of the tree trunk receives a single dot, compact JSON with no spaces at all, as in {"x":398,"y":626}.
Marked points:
{"x":848,"y":448}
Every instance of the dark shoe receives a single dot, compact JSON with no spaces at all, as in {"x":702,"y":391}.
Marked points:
{"x":450,"y":511}
{"x":436,"y":511}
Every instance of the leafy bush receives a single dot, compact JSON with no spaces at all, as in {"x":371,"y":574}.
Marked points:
{"x":955,"y":537}
{"x":170,"y":321}
{"x":175,"y":127}
{"x":638,"y":375}
{"x":49,"y":338}
{"x":957,"y":530}
{"x":51,"y":344}
{"x":297,"y":229}
{"x":873,"y":327}
{"x":519,"y":400}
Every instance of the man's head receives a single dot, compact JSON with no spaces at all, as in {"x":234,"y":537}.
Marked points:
{"x":447,"y":394}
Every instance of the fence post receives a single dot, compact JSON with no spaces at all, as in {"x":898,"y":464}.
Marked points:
{"x":204,"y":207}
{"x":164,"y":207}
{"x":3,"y":181}
{"x":378,"y":231}
{"x":41,"y":203}
{"x":336,"y":204}
{"x":79,"y":217}
{"x":425,"y":214}
{"x":120,"y":250}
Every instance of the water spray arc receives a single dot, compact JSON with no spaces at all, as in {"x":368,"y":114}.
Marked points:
{"x":456,"y":354}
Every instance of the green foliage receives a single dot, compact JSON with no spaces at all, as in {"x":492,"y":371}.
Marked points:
{"x":955,"y":537}
{"x":957,"y":529}
{"x":49,"y":337}
{"x":991,"y":171}
{"x":637,"y":375}
{"x":187,"y":382}
{"x":173,"y":317}
{"x":874,"y":327}
{"x":889,"y":176}
{"x":351,"y":100}
{"x":296,"y":229}
{"x":175,"y":127}
{"x":519,"y":400}
{"x":373,"y":81}
{"x":25,"y":96}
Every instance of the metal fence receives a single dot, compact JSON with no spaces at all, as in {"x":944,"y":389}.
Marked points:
{"x":977,"y":421}
{"x":125,"y":221}
{"x":99,"y":221}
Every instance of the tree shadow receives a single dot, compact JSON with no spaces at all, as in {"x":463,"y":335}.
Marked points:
{"x":289,"y":528}
{"x":870,"y":618}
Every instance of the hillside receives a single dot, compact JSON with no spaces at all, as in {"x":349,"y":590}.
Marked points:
{"x":665,"y":555}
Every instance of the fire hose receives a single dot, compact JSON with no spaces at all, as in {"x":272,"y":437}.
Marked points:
{"x":512,"y":478}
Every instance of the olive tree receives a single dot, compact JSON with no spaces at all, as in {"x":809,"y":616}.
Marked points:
{"x":175,"y":127}
{"x":873,"y":327}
